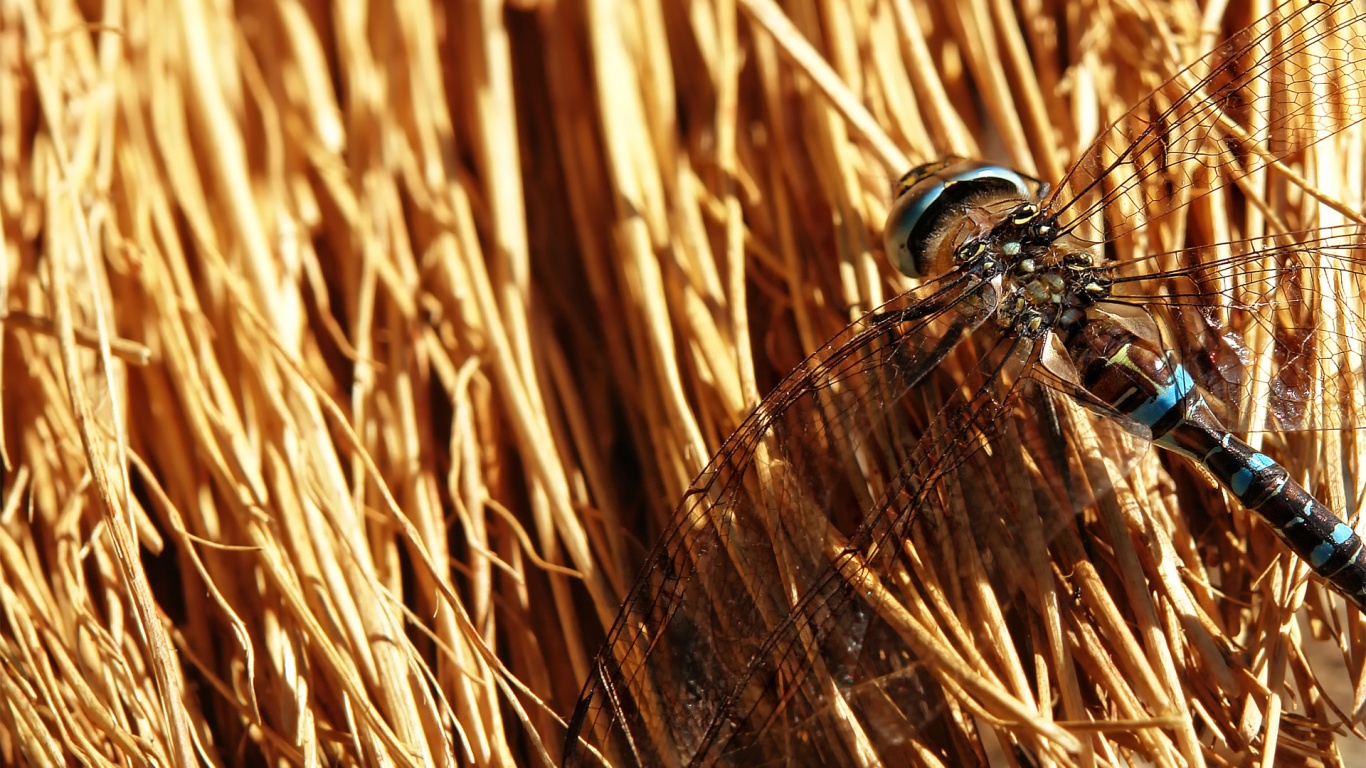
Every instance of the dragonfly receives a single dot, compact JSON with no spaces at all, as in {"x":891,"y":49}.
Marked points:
{"x":781,"y":617}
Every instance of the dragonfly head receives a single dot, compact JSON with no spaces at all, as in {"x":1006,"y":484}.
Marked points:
{"x":939,"y":206}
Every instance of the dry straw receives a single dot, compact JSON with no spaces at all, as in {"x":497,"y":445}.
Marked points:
{"x":353,"y":357}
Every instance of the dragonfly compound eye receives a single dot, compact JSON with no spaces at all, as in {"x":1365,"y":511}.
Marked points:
{"x":926,"y":224}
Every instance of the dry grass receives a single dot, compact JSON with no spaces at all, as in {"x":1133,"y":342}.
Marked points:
{"x":353,"y":358}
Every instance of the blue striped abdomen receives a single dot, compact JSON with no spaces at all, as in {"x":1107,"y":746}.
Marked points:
{"x":1140,"y":381}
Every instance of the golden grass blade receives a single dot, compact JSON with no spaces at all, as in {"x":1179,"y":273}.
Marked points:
{"x":354,"y":356}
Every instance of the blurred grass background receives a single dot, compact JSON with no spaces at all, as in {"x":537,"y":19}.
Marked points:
{"x":353,"y":355}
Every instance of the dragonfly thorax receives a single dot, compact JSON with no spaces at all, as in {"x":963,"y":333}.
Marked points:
{"x":1048,"y":286}
{"x":989,"y":222}
{"x":1042,"y":281}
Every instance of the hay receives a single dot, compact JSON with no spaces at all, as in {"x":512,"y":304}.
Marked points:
{"x":354,"y":357}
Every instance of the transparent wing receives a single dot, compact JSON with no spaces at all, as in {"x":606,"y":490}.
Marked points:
{"x":1272,"y":331}
{"x":1279,"y":86}
{"x":782,"y":616}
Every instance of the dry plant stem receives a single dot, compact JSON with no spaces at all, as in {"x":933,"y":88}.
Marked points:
{"x":126,"y":350}
{"x":115,"y":510}
{"x":353,"y":357}
{"x":808,"y":60}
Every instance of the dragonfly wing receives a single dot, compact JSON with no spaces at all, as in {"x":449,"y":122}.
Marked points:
{"x":1272,"y":333}
{"x":782,"y":616}
{"x":1275,"y":88}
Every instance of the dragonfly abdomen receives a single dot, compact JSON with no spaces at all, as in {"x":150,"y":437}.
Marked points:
{"x":1329,"y":545}
{"x":1145,"y":384}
